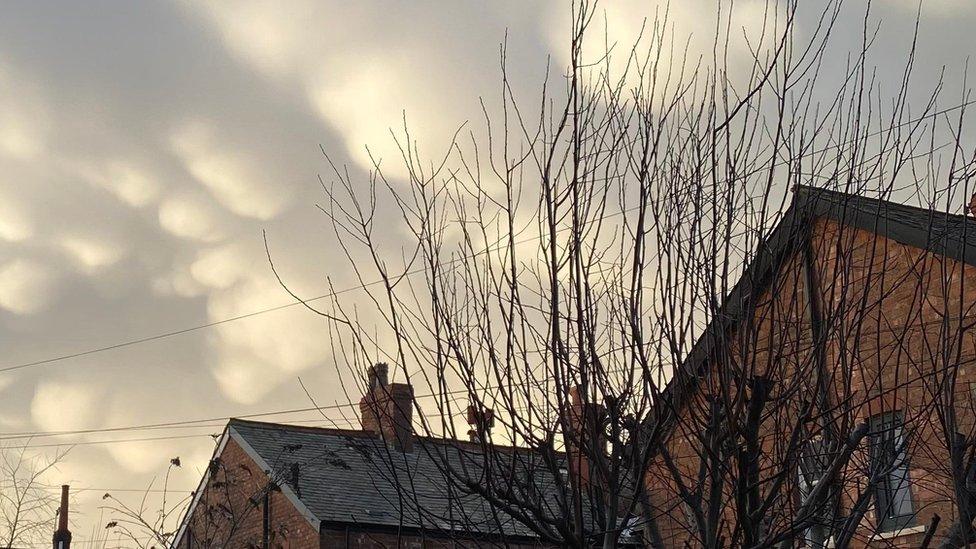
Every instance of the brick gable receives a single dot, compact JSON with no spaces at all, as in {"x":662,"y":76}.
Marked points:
{"x":889,"y":349}
{"x":229,"y":512}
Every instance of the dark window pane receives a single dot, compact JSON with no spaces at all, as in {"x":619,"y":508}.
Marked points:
{"x":814,"y":461}
{"x":889,"y":466}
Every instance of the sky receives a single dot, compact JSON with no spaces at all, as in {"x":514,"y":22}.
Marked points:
{"x":146,"y":148}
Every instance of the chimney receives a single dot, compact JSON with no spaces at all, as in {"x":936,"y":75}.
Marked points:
{"x":586,"y":437}
{"x":387,"y":408}
{"x":481,"y":421}
{"x":972,"y":205}
{"x":62,"y":536}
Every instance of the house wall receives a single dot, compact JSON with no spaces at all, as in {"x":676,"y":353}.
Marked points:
{"x":230,"y":510}
{"x":892,"y":314}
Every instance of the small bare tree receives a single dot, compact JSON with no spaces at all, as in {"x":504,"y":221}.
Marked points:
{"x":141,"y":525}
{"x":27,"y":505}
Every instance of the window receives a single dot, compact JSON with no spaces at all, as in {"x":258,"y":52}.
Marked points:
{"x":814,"y":461}
{"x":889,"y":467}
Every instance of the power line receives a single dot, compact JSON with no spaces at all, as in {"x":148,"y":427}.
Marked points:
{"x":115,"y":441}
{"x":173,"y":333}
{"x":200,"y":423}
{"x":165,"y":335}
{"x":75,"y":489}
{"x":191,"y":423}
{"x":209,"y":422}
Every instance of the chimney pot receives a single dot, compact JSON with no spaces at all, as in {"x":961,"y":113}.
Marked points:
{"x":481,"y":421}
{"x":379,"y":375}
{"x":387,"y":409}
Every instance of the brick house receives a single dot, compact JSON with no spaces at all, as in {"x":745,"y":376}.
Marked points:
{"x":877,"y":296}
{"x":869,"y":285}
{"x":285,"y":486}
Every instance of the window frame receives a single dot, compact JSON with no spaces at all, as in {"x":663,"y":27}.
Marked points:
{"x":895,"y":487}
{"x":816,"y":456}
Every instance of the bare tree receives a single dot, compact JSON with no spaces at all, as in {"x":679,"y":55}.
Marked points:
{"x":144,"y":526}
{"x":27,"y":506}
{"x":618,"y":279}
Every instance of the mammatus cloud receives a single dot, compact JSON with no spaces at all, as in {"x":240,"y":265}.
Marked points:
{"x":24,"y":121}
{"x":193,"y":215}
{"x":229,"y":175}
{"x":92,"y":254}
{"x":18,"y":138}
{"x":255,"y":355}
{"x":26,"y":286}
{"x":129,"y":182}
{"x":134,"y":188}
{"x":688,"y":29}
{"x":363,"y":92}
{"x":152,"y":456}
{"x":62,"y":405}
{"x":15,"y":225}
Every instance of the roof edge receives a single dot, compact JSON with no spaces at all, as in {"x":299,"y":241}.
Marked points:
{"x":358,"y":433}
{"x":197,"y":493}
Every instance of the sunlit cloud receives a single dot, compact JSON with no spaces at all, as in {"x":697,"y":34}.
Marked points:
{"x":627,"y":29}
{"x":271,"y":348}
{"x":244,"y":379}
{"x":220,"y":268}
{"x":60,"y":405}
{"x":364,"y":94}
{"x":192,"y":216}
{"x":18,"y":141}
{"x":177,"y":282}
{"x":144,"y":457}
{"x":15,"y":225}
{"x":260,"y":32}
{"x":24,"y":120}
{"x":380,"y":109}
{"x":26,"y":286}
{"x":230,"y":176}
{"x":92,"y":254}
{"x":130,"y":183}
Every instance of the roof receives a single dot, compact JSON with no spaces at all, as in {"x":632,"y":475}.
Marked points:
{"x":353,"y":477}
{"x":941,"y":233}
{"x":938,"y":232}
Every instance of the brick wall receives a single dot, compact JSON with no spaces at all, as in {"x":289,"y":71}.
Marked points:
{"x":889,"y":356}
{"x":230,"y":512}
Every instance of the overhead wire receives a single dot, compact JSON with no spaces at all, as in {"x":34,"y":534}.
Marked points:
{"x":164,"y":335}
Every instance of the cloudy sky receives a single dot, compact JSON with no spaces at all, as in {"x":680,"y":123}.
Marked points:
{"x":145,"y":146}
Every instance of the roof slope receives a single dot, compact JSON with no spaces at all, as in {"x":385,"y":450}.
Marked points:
{"x":938,"y":232}
{"x":951,"y":235}
{"x":353,"y":477}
